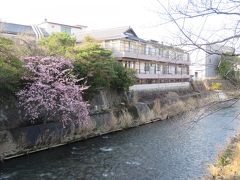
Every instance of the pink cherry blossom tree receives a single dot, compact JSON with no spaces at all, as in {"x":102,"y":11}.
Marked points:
{"x":53,"y":93}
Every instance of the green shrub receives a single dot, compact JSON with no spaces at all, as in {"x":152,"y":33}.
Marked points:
{"x":11,"y":68}
{"x":6,"y":48}
{"x":100,"y":68}
{"x":58,"y":44}
{"x":123,"y":78}
{"x":216,"y":86}
{"x":227,"y":68}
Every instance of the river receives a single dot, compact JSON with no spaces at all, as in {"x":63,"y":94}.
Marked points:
{"x":176,"y":148}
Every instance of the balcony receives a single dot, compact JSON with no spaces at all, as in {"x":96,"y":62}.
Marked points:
{"x":148,"y":57}
{"x":142,"y":55}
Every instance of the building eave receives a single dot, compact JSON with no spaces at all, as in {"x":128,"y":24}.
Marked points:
{"x":74,"y":26}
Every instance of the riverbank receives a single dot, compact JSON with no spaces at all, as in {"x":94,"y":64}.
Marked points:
{"x":228,"y":162}
{"x":110,"y":111}
{"x":177,"y":148}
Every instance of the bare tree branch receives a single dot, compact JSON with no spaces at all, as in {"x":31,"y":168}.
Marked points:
{"x":229,"y":34}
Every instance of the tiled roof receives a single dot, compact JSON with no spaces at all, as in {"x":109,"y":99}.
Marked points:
{"x":110,"y":34}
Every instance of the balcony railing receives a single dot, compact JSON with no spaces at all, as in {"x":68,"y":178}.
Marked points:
{"x":162,"y":76}
{"x":140,"y":53}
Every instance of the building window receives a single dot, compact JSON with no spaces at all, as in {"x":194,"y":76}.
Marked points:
{"x":141,"y":49}
{"x":153,"y":51}
{"x":147,"y":67}
{"x":66,"y":29}
{"x":132,"y":65}
{"x":149,"y":51}
{"x":165,"y":69}
{"x":196,"y":74}
{"x":180,"y":57}
{"x":172,"y":55}
{"x":152,"y":69}
{"x":129,"y":64}
{"x":160,"y":51}
{"x":125,"y":45}
{"x":184,"y":70}
{"x":166,"y":53}
{"x":179,"y":70}
{"x":159,"y":67}
{"x":171,"y":69}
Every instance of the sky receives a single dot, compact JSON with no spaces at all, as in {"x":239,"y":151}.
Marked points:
{"x":139,"y":14}
{"x":144,"y":16}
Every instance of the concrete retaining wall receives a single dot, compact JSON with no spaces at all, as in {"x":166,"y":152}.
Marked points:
{"x":18,"y":137}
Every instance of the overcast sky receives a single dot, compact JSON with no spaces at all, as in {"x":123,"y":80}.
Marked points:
{"x":139,"y":14}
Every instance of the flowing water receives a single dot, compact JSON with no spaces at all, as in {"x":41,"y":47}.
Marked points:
{"x":177,"y":148}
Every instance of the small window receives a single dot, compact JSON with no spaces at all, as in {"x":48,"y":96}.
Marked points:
{"x":66,"y":29}
{"x":196,"y":74}
{"x":159,"y":67}
{"x":165,"y":69}
{"x":147,"y":67}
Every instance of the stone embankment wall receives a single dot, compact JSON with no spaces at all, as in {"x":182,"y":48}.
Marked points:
{"x":110,"y":111}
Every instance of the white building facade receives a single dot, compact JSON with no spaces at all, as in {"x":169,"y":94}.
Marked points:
{"x":204,"y":65}
{"x":153,"y":62}
{"x":52,"y":27}
{"x":36,"y":32}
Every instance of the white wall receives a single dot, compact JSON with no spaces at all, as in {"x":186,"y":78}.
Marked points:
{"x":160,"y":86}
{"x":198,"y":64}
{"x":206,"y":64}
{"x":51,"y":28}
{"x":75,"y":31}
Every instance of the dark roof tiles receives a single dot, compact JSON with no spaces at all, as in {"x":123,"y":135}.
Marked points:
{"x":110,"y":34}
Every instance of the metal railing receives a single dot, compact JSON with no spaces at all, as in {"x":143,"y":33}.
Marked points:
{"x":149,"y":52}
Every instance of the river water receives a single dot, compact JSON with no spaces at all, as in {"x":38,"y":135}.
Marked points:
{"x":177,"y":148}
